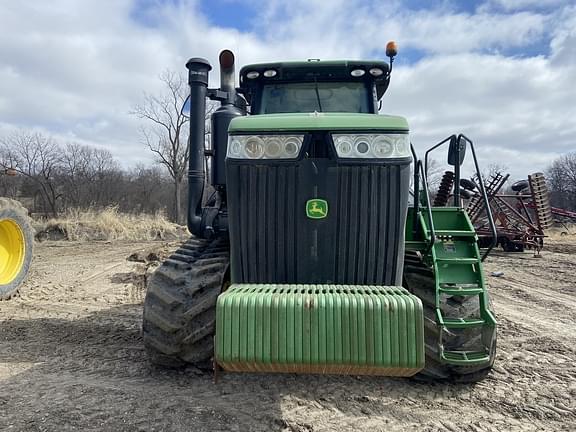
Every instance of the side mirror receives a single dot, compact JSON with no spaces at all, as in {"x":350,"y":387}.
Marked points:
{"x":457,"y":150}
{"x":185,"y":110}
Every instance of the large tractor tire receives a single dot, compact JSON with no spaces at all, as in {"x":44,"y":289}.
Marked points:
{"x":180,"y":305}
{"x":419,"y":280}
{"x":16,"y":246}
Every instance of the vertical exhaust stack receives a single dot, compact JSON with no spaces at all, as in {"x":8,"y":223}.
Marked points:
{"x":222,"y":117}
{"x":198,"y":69}
{"x":227,"y":76}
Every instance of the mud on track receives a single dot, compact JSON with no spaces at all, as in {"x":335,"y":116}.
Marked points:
{"x":71,"y":358}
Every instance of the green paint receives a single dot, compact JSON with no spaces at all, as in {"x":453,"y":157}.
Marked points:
{"x":304,"y":122}
{"x":455,"y":260}
{"x":316,"y":208}
{"x":354,"y":329}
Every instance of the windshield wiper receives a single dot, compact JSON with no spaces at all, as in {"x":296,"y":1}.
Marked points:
{"x":317,"y":94}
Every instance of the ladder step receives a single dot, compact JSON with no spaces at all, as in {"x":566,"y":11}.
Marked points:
{"x":463,"y":291}
{"x":455,"y":233}
{"x":457,"y":260}
{"x":465,"y":358}
{"x":412,"y":245}
{"x":460,"y":323}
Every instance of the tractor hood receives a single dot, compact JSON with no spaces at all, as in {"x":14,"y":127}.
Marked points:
{"x":305,"y":122}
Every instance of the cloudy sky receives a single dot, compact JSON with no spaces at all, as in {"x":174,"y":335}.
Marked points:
{"x":501,"y":71}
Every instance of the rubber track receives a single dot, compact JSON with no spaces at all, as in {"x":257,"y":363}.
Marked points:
{"x":179,"y":319}
{"x":419,"y":280}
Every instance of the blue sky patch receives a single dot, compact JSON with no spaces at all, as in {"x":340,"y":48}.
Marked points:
{"x":229,"y":13}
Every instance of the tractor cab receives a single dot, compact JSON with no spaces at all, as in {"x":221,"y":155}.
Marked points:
{"x":314,"y":86}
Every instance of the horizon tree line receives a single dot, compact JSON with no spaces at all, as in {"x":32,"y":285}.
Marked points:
{"x":54,"y":176}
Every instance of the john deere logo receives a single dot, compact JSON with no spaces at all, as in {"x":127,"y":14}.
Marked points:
{"x":316,"y":208}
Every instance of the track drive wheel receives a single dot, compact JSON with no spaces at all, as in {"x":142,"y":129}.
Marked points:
{"x":180,"y":306}
{"x":16,"y":246}
{"x":419,"y":280}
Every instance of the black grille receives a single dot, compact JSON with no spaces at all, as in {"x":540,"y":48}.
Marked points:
{"x":360,"y":242}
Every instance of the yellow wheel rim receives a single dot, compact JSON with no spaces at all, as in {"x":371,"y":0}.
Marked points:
{"x":12,"y":251}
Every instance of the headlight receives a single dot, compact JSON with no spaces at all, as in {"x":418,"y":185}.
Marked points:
{"x":372,"y":146}
{"x":264,"y":146}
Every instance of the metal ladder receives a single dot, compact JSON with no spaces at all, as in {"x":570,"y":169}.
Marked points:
{"x":456,"y":261}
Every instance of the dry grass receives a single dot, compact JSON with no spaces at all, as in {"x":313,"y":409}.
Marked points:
{"x":110,"y":225}
{"x":564,"y":231}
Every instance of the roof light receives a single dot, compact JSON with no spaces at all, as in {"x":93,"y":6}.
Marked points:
{"x":376,"y":72}
{"x":270,"y":73}
{"x":252,"y":74}
{"x":358,"y":72}
{"x":391,"y":49}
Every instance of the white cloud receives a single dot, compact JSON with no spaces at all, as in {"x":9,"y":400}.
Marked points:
{"x":76,"y":68}
{"x":522,"y":105}
{"x":563,"y":44}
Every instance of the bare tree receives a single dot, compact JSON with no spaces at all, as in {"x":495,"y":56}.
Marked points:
{"x":147,"y":189}
{"x":494,"y":169}
{"x":75,"y":176}
{"x":39,"y":159}
{"x":76,"y":161}
{"x":106,"y":177}
{"x":166,"y":133}
{"x":561,"y":176}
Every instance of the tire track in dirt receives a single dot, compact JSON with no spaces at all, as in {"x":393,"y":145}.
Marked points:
{"x":71,"y":358}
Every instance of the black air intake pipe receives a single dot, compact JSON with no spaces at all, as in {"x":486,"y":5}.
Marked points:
{"x":198,"y":69}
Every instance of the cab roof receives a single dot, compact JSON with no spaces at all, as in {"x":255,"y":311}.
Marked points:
{"x":320,"y":70}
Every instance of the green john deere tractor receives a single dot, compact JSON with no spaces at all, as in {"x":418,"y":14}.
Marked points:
{"x":319,"y":250}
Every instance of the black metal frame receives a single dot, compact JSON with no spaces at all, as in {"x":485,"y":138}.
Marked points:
{"x":420,"y":172}
{"x":457,"y":183}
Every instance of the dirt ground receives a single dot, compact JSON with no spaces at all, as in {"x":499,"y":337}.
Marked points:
{"x":71,"y":358}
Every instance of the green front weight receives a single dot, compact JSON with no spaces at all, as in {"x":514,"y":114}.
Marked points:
{"x":329,"y":329}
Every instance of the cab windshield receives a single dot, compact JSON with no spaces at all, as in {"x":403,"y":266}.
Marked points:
{"x":352,"y":97}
